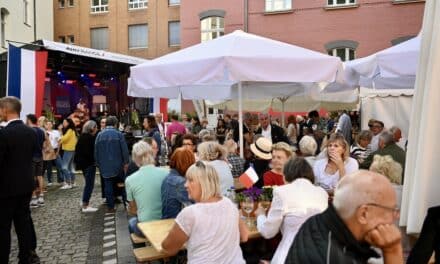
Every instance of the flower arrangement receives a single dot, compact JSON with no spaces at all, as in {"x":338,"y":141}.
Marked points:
{"x":256,"y":194}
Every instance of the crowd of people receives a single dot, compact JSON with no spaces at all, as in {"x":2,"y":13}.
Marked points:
{"x":327,"y":209}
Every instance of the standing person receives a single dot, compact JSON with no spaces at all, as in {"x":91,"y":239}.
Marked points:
{"x":175,"y":128}
{"x":17,"y":145}
{"x":344,"y":126}
{"x":196,"y":126}
{"x":187,"y":123}
{"x":68,"y":142}
{"x":37,"y":161}
{"x":220,"y":131}
{"x":151,"y":130}
{"x":235,"y":161}
{"x":270,"y":131}
{"x":85,"y":161}
{"x":111,"y":155}
{"x":54,"y":137}
{"x":292,"y":133}
{"x":159,"y":122}
{"x":49,"y":154}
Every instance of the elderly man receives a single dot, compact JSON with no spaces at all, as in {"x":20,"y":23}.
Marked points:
{"x":397,"y":134}
{"x":376,"y":127}
{"x":111,"y":155}
{"x":387,"y":146}
{"x":362,"y":216}
{"x":271,"y":131}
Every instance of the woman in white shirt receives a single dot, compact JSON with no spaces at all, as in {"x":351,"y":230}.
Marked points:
{"x":338,"y":163}
{"x":211,"y":228}
{"x":216,"y":155}
{"x":291,"y":206}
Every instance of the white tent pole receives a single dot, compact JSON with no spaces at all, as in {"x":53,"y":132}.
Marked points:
{"x":240,"y":119}
{"x":283,"y":122}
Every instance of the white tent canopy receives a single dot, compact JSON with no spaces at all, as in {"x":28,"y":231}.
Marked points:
{"x":421,"y":186}
{"x":391,"y":68}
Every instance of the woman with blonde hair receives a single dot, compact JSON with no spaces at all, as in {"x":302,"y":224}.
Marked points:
{"x":337,"y":164}
{"x":211,"y":228}
{"x":281,"y":153}
{"x":174,"y":194}
{"x":215,"y":155}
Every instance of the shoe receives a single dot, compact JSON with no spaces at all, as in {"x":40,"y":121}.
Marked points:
{"x":34,"y":203}
{"x":41,"y":201}
{"x":66,"y":186}
{"x":34,"y":258}
{"x":49,"y":184}
{"x":89,"y":209}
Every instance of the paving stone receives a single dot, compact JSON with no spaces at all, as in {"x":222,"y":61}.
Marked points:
{"x":109,"y":252}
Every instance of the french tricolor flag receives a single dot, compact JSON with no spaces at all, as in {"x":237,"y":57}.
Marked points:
{"x":26,"y":77}
{"x":248,"y":178}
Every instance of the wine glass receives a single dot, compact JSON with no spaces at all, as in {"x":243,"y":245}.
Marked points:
{"x":248,"y":206}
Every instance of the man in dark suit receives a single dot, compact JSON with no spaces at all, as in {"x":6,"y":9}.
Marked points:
{"x":17,"y":144}
{"x":271,"y":131}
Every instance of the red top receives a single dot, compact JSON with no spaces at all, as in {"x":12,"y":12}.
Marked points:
{"x":271,"y":178}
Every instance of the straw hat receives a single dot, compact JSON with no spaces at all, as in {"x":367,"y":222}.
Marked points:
{"x":262,"y":148}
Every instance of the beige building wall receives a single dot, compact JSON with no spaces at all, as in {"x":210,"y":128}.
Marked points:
{"x":78,"y":21}
{"x":17,"y":29}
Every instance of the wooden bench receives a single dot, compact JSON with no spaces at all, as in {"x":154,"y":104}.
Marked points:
{"x":137,"y":239}
{"x":146,"y":254}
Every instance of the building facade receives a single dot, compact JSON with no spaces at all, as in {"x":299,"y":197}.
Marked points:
{"x":346,"y":28}
{"x":141,"y":28}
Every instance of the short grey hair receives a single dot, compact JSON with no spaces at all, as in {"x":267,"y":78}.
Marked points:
{"x":387,"y":137}
{"x":89,"y":126}
{"x":308,"y":146}
{"x":111,"y":121}
{"x":211,"y":150}
{"x":143,"y":154}
{"x":364,"y":134}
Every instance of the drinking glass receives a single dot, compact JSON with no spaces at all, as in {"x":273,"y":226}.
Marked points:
{"x":248,"y":206}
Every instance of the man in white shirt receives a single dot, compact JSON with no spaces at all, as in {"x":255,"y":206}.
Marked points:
{"x":271,"y":131}
{"x":376,"y":127}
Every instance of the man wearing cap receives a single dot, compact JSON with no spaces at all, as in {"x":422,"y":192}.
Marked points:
{"x":271,"y":131}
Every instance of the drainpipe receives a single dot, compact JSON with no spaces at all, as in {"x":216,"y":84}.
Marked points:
{"x":35,"y":20}
{"x":245,"y":15}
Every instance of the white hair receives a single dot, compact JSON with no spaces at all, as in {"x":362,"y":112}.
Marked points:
{"x":143,"y":154}
{"x":211,"y":150}
{"x":308,"y":146}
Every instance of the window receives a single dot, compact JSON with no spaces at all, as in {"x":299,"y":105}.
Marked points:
{"x":212,"y":27}
{"x":137,"y":4}
{"x":3,"y":14}
{"x":99,"y":6}
{"x":174,"y":33}
{"x":71,"y":39}
{"x":138,"y":36}
{"x":26,"y":12}
{"x":62,"y":39}
{"x":71,"y":3}
{"x":61,"y":3}
{"x":346,"y":54}
{"x":99,"y":38}
{"x":340,"y":2}
{"x":278,"y":5}
{"x":173,"y":2}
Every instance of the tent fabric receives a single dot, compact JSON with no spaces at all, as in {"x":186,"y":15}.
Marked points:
{"x":420,"y":190}
{"x":213,"y":69}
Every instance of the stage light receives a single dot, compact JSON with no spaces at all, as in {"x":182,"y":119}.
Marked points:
{"x":92,"y":75}
{"x":59,"y":73}
{"x":47,"y":79}
{"x":112,"y":78}
{"x":82,"y":75}
{"x":70,"y":81}
{"x":97,"y":84}
{"x":64,"y":81}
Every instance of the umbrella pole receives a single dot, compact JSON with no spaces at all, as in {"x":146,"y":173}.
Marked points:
{"x":283,"y":113}
{"x":240,"y":119}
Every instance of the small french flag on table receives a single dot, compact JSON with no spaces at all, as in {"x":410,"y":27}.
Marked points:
{"x":248,"y":178}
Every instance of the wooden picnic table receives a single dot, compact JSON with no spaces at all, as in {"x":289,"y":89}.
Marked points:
{"x":157,"y":231}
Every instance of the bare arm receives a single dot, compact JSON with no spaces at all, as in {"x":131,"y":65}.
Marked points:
{"x":244,"y":232}
{"x":174,"y":241}
{"x":132,"y":208}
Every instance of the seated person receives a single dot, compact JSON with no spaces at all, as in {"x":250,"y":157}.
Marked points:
{"x":211,"y":228}
{"x":174,"y":194}
{"x":143,"y":188}
{"x":292,"y":205}
{"x":281,"y":153}
{"x":358,"y":150}
{"x":307,"y":148}
{"x":337,"y":164}
{"x":362,"y":216}
{"x":132,"y":167}
{"x":235,"y":161}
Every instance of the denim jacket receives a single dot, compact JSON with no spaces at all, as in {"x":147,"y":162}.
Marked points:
{"x":111,"y":152}
{"x":174,"y":195}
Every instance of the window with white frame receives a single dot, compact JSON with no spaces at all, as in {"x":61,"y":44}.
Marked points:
{"x":71,"y":39}
{"x":278,"y":5}
{"x":173,"y":2}
{"x":138,"y":36}
{"x":174,"y":33}
{"x":346,"y":54}
{"x":211,"y":28}
{"x":99,"y":38}
{"x":137,"y":4}
{"x":71,"y":3}
{"x":3,"y":15}
{"x":26,"y":11}
{"x":340,"y":2}
{"x":61,"y":3}
{"x":99,"y":6}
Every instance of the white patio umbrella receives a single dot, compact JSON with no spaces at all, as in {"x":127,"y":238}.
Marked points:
{"x":391,"y":68}
{"x":421,"y":187}
{"x":238,"y":65}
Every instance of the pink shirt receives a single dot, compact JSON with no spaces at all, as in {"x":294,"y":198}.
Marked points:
{"x":175,"y":127}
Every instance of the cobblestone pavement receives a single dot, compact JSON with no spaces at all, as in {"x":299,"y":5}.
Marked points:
{"x":66,"y":235}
